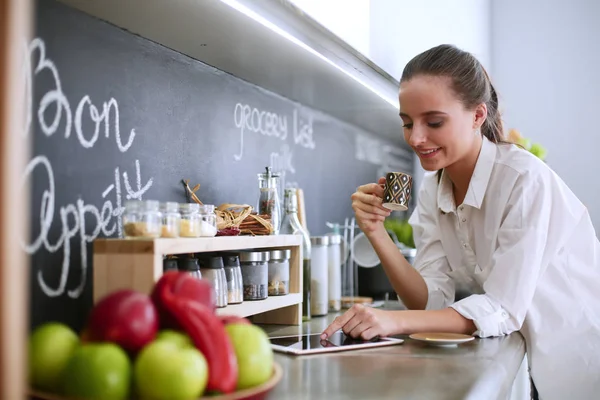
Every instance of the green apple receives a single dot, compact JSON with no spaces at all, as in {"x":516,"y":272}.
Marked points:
{"x":98,"y":371}
{"x":538,"y":150}
{"x":526,"y":143}
{"x":165,"y":370}
{"x":180,"y":339}
{"x":253,"y":352}
{"x":51,"y":346}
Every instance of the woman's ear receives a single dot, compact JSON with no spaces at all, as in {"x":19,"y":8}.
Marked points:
{"x":479,"y":116}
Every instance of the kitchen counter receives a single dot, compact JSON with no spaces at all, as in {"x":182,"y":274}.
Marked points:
{"x":480,"y":369}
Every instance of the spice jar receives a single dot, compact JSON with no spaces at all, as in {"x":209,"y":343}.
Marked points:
{"x":170,"y":264}
{"x":212,"y":270}
{"x":208,"y":220}
{"x":190,"y":220}
{"x":233,"y":276}
{"x":191,"y":266}
{"x":319,"y":275}
{"x":255,"y":274}
{"x":279,"y":272}
{"x":171,"y":219}
{"x":142,"y":219}
{"x":268,"y":202}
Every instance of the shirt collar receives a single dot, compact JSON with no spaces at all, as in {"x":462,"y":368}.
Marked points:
{"x":477,"y":185}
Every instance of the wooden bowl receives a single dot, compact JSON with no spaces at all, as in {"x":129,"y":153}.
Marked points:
{"x":255,"y":393}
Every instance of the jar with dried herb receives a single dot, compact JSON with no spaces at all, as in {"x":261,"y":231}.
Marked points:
{"x":268,"y":202}
{"x":142,"y":219}
{"x":255,"y":274}
{"x":171,"y":219}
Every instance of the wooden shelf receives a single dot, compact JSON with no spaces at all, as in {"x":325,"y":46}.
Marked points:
{"x":254,"y":307}
{"x":138,"y":263}
{"x":195,"y":245}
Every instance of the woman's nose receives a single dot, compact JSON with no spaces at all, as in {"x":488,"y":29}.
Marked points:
{"x":417,"y":137}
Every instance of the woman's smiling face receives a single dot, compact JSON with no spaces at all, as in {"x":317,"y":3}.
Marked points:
{"x":436,"y":124}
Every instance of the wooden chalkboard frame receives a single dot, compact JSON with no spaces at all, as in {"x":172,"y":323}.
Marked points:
{"x":15,"y":24}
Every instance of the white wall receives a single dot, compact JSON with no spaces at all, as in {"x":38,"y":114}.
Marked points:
{"x":352,"y":27}
{"x":401,"y":29}
{"x":546,"y":62}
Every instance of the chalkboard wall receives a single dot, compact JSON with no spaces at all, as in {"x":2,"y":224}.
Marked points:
{"x":114,"y":116}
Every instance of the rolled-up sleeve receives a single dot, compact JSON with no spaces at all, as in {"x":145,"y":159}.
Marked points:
{"x":431,"y":261}
{"x":534,"y":228}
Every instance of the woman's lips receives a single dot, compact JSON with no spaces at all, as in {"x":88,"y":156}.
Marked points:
{"x":428,"y":153}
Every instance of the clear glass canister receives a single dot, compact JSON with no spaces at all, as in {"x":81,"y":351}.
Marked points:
{"x":233,"y":275}
{"x":190,"y":220}
{"x":191,"y":266}
{"x":171,"y":219}
{"x":279,"y":272}
{"x":268,"y":202}
{"x":319,"y":275}
{"x":212,"y":270}
{"x":142,"y":219}
{"x":255,"y":274}
{"x":335,"y":273}
{"x":208,"y":220}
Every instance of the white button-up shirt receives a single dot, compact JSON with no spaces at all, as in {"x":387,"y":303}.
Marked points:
{"x":525,"y":246}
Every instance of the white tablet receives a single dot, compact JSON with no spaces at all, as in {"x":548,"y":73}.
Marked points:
{"x":313,"y":344}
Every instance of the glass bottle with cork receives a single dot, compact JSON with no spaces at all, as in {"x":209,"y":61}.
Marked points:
{"x":291,"y":225}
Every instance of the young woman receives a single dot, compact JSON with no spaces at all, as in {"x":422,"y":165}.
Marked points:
{"x":495,"y":217}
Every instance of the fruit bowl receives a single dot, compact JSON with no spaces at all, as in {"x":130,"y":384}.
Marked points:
{"x":256,"y":393}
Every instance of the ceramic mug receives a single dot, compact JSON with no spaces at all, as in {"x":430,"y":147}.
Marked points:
{"x":397,"y":191}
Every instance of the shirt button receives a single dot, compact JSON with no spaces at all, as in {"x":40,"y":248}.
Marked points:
{"x":461,"y":208}
{"x":464,"y":220}
{"x":465,"y":245}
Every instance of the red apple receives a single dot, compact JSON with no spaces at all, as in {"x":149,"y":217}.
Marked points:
{"x":181,"y":285}
{"x":125,"y":317}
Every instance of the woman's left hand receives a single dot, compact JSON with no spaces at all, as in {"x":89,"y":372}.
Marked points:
{"x":363,"y":322}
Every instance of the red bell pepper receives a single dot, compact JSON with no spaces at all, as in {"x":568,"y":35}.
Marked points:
{"x":185,"y":286}
{"x":176,"y":302}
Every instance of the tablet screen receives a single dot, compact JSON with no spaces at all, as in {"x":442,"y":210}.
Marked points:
{"x":309,"y":342}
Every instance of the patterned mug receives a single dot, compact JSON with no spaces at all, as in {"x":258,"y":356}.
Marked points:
{"x":397,"y":191}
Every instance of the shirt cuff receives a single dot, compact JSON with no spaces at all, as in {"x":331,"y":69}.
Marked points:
{"x":488,"y":316}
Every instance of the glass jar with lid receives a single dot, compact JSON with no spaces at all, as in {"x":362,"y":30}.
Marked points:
{"x":233,"y":275}
{"x":190,"y":220}
{"x":142,"y":219}
{"x":208,"y":220}
{"x":255,"y":274}
{"x":279,"y":272}
{"x":171,"y":219}
{"x":319,"y":275}
{"x":211,"y":267}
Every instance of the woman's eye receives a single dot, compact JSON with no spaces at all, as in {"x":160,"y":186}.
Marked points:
{"x":435,"y":124}
{"x":407,"y":126}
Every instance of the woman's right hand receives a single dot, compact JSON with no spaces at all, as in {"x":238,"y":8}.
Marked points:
{"x":367,"y":204}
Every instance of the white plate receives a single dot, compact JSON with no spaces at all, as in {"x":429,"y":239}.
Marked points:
{"x":442,"y":339}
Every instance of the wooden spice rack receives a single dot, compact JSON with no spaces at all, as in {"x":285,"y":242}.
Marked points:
{"x":138,"y":263}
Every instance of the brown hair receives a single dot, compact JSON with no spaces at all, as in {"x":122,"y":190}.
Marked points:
{"x":470,"y":82}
